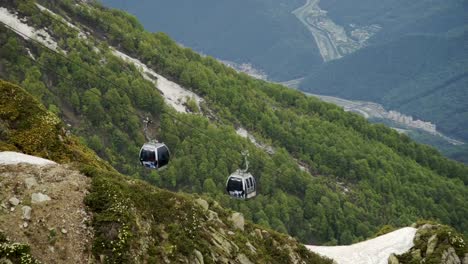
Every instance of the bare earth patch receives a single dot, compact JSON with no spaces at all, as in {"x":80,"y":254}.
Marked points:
{"x":57,"y":230}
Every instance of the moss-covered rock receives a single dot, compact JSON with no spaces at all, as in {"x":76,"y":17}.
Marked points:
{"x":27,"y":126}
{"x":435,"y":243}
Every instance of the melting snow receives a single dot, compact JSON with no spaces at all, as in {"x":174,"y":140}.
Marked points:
{"x":245,"y":134}
{"x":80,"y":33}
{"x":373,"y":251}
{"x":10,"y":157}
{"x":39,"y":35}
{"x":174,"y":94}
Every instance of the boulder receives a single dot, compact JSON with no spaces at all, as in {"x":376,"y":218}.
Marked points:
{"x":238,"y":220}
{"x":26,"y":212}
{"x":14,"y":201}
{"x":202,"y":203}
{"x":39,"y":198}
{"x":30,"y":182}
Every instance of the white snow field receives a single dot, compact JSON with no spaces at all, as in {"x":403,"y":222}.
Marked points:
{"x":39,"y":35}
{"x":10,"y":157}
{"x":174,"y":94}
{"x":372,"y":251}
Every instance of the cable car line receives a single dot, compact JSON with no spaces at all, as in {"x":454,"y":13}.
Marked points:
{"x":273,"y":170}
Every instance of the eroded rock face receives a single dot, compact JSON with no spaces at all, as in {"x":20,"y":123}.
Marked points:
{"x":431,"y":245}
{"x":450,"y":257}
{"x":243,"y":259}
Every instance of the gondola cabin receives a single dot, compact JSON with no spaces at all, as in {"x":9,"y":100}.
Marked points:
{"x":154,"y":155}
{"x":241,"y":185}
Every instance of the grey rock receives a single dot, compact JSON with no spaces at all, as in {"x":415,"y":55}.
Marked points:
{"x":64,"y":231}
{"x":465,"y":259}
{"x":222,"y":243}
{"x":431,"y":244}
{"x":198,"y":257}
{"x":30,"y":182}
{"x":213,"y":216}
{"x":243,"y":259}
{"x":39,"y":198}
{"x":258,"y":233}
{"x":202,"y":203}
{"x":26,"y":212}
{"x":251,"y":247}
{"x":238,"y":220}
{"x":392,"y":259}
{"x":14,"y":201}
{"x":450,"y":257}
{"x":25,"y":225}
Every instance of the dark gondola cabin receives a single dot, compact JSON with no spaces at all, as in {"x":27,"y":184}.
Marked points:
{"x":241,"y":185}
{"x":154,"y":155}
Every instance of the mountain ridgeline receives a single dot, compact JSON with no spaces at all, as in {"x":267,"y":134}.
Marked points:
{"x":355,"y":176}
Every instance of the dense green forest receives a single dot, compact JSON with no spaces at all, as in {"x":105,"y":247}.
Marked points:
{"x":362,"y":176}
{"x":415,"y":63}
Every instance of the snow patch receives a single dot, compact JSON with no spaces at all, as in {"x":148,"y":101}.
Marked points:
{"x":372,"y":251}
{"x":245,"y":134}
{"x":80,"y":33}
{"x":40,"y":35}
{"x":10,"y":157}
{"x":174,"y":94}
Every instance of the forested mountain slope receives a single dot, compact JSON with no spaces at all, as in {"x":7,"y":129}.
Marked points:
{"x":416,"y":83}
{"x":358,"y":176}
{"x":108,"y":217}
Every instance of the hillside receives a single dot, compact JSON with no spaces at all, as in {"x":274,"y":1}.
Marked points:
{"x":413,"y":54}
{"x":330,"y":177}
{"x":101,"y":216}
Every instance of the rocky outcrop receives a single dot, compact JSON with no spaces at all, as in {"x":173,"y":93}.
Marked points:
{"x":434,"y":243}
{"x":450,"y":257}
{"x":48,"y":217}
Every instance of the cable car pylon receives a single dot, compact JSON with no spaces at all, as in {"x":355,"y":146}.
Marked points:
{"x":153,"y":155}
